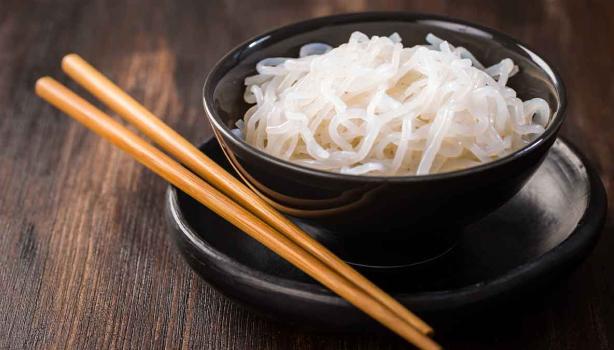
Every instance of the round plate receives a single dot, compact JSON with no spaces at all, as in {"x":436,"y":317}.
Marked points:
{"x":546,"y":229}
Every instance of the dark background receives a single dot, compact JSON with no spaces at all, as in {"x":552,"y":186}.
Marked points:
{"x":85,"y":259}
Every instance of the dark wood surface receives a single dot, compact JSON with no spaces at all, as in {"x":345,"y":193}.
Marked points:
{"x":85,"y":260}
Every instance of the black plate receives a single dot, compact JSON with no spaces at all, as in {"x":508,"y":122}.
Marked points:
{"x":546,"y":229}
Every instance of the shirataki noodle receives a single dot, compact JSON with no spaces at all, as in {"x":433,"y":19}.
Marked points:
{"x":374,"y":107}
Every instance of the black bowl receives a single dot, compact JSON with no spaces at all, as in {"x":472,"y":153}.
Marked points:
{"x":415,"y":216}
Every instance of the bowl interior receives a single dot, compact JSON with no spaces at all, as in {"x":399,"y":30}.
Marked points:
{"x":223,"y":93}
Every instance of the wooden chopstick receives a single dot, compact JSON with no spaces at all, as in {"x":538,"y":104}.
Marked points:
{"x":169,"y":140}
{"x":173,"y":172}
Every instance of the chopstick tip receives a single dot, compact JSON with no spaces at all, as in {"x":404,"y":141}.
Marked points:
{"x":70,"y":59}
{"x":42,"y":83}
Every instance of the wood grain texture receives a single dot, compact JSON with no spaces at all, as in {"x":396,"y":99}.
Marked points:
{"x":85,"y":261}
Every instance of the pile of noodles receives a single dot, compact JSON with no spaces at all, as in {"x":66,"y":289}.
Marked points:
{"x":374,"y":107}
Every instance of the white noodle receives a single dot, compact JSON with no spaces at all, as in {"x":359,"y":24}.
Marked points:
{"x":374,"y":107}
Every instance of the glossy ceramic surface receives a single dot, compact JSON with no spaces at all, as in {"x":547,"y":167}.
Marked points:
{"x":361,"y":213}
{"x":536,"y":237}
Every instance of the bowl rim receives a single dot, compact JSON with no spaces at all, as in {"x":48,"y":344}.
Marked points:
{"x":289,"y":30}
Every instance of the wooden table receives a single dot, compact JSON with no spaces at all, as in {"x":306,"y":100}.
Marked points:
{"x":85,"y":259}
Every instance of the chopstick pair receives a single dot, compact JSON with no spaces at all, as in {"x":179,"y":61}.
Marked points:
{"x":244,"y":209}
